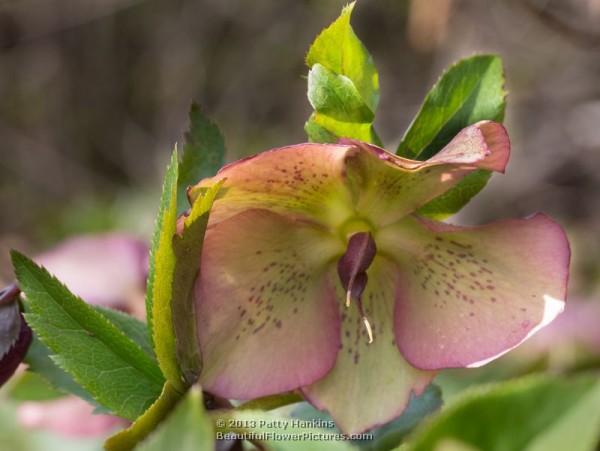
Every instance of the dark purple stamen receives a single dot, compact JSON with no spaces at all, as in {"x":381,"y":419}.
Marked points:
{"x":352,"y":270}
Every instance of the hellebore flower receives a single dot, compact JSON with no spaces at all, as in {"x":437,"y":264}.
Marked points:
{"x":317,"y":274}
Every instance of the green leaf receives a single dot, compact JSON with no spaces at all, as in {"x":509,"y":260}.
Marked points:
{"x":336,"y":96}
{"x":105,"y":362}
{"x":453,"y":200}
{"x":391,"y":434}
{"x":203,"y":154}
{"x":338,"y":49}
{"x":130,"y":326}
{"x":187,"y":428}
{"x":30,"y":386}
{"x":469,"y":91}
{"x":160,"y":279}
{"x":142,"y":427}
{"x":343,"y":85}
{"x":187,"y":248}
{"x":39,"y":361}
{"x":531,"y":414}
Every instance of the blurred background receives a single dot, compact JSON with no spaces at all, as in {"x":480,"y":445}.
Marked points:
{"x":94,"y":94}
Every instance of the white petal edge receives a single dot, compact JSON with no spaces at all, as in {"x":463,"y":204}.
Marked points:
{"x":552,"y":308}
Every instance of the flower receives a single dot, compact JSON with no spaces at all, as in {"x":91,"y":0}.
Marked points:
{"x":105,"y":269}
{"x":317,"y":274}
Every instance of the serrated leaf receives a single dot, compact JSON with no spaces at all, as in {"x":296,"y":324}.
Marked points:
{"x":187,"y":428}
{"x":343,"y":85}
{"x":105,"y":362}
{"x":532,"y":414}
{"x":130,"y":326}
{"x":39,"y":361}
{"x":160,"y":279}
{"x":187,"y":248}
{"x":203,"y":154}
{"x":469,"y":91}
{"x":142,"y":427}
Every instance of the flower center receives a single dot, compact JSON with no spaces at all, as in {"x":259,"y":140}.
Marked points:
{"x":354,"y":225}
{"x":352,"y":270}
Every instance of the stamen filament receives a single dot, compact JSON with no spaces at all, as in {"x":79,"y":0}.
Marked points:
{"x":368,"y":327}
{"x":348,"y":298}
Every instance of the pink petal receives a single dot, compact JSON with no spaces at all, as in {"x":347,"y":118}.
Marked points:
{"x":108,"y":270}
{"x":305,"y":180}
{"x":69,"y":417}
{"x":329,"y":183}
{"x":371,"y":384}
{"x":470,"y":294}
{"x":267,"y":315}
{"x":399,"y":186}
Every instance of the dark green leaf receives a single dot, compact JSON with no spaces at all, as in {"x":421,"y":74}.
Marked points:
{"x":130,"y":326}
{"x":142,"y":427}
{"x":532,"y":414}
{"x":343,"y":85}
{"x":39,"y":361}
{"x":187,"y":248}
{"x":187,"y":428}
{"x":469,"y":91}
{"x":203,"y":154}
{"x":160,"y":279}
{"x":106,"y":363}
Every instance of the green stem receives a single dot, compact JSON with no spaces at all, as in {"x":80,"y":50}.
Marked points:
{"x":271,"y":402}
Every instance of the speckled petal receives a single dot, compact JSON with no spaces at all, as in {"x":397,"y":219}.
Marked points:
{"x":370,"y":384}
{"x":301,"y":181}
{"x":391,"y":187}
{"x":469,"y":294}
{"x":332,"y":183}
{"x":267,"y":316}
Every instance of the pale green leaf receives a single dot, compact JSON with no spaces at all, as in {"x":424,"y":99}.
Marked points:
{"x":537,"y":413}
{"x":187,"y":248}
{"x":343,"y":85}
{"x":338,"y":49}
{"x":187,"y":428}
{"x":142,"y":427}
{"x":160,"y":279}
